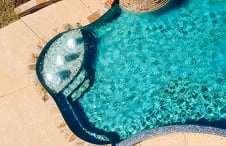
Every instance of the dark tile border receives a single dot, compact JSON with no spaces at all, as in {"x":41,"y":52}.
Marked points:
{"x":72,"y":112}
{"x":172,"y":129}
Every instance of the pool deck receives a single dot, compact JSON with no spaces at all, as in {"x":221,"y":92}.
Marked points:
{"x":25,"y":119}
{"x":184,"y":139}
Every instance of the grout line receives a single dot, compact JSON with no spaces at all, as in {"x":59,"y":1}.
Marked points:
{"x":84,"y":4}
{"x":32,"y":30}
{"x":185,"y":142}
{"x":14,"y":91}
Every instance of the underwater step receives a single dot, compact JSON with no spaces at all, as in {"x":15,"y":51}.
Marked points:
{"x":80,"y":91}
{"x":77,"y":81}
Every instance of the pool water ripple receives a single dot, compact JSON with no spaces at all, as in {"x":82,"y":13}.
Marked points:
{"x":157,"y":70}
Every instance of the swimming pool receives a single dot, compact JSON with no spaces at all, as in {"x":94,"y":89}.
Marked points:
{"x":140,"y":71}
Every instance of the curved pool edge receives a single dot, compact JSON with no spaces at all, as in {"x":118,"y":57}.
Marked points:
{"x":113,"y":13}
{"x":107,"y":17}
{"x":150,"y":133}
{"x":170,"y":130}
{"x":85,"y":132}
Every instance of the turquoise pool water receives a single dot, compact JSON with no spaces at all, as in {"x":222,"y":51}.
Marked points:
{"x":154,"y":70}
{"x":140,"y":71}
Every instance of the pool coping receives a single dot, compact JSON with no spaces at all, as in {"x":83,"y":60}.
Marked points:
{"x":172,"y":129}
{"x":32,"y":6}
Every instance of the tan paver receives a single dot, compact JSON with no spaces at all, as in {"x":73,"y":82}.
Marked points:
{"x":25,"y":121}
{"x":54,"y":16}
{"x":93,"y":5}
{"x":16,"y":42}
{"x":77,"y":11}
{"x":194,"y":139}
{"x":176,"y":139}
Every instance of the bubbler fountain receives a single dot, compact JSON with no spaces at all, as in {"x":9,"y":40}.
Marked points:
{"x":143,"y":5}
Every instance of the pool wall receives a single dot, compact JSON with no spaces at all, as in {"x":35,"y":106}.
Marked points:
{"x":72,"y":112}
{"x":76,"y":122}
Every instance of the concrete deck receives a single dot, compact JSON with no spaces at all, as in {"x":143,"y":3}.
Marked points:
{"x":184,"y":139}
{"x":25,"y":119}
